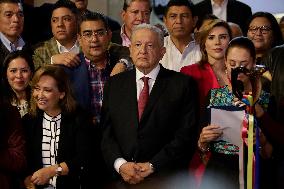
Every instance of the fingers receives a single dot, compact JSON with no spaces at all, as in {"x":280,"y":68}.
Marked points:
{"x":210,"y":133}
{"x":71,"y":60}
{"x":67,"y":59}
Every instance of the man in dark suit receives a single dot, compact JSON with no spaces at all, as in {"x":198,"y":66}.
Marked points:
{"x":140,"y":143}
{"x":234,"y":11}
{"x":11,"y":27}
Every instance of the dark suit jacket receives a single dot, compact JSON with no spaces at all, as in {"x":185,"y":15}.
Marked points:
{"x":79,"y":76}
{"x":116,"y":38}
{"x":166,"y":133}
{"x":73,"y":145}
{"x":12,"y":146}
{"x":237,"y":12}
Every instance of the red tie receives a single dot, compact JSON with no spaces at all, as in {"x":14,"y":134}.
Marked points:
{"x":143,"y":97}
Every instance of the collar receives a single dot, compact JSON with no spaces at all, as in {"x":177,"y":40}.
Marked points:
{"x":75,"y":48}
{"x":224,"y":3}
{"x":152,"y":75}
{"x":93,"y":66}
{"x":19,"y":44}
{"x":125,"y":39}
{"x":172,"y":43}
{"x":50,"y":118}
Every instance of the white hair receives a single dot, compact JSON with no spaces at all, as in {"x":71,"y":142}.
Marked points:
{"x":152,"y":28}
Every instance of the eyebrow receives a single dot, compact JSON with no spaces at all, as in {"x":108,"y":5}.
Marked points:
{"x":85,"y":31}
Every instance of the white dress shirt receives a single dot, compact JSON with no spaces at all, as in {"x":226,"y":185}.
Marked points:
{"x":173,"y":59}
{"x":74,"y":49}
{"x":140,"y":84}
{"x":18,"y":45}
{"x":220,"y":11}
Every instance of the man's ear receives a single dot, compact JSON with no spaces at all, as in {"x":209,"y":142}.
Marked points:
{"x":122,"y":15}
{"x":109,"y":33}
{"x":195,"y":19}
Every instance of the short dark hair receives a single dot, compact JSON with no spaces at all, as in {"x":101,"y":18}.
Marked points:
{"x":187,"y":3}
{"x":244,"y":43}
{"x":9,"y":1}
{"x":93,"y":16}
{"x":126,"y":4}
{"x":66,"y":4}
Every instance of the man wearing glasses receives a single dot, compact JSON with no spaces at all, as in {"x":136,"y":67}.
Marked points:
{"x":97,"y":59}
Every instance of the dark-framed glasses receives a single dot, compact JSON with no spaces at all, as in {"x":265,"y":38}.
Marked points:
{"x":88,"y":34}
{"x":262,"y":29}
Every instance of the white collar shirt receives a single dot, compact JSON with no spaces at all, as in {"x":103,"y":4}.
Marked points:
{"x":152,"y":78}
{"x":74,"y":49}
{"x":12,"y":46}
{"x":173,"y":59}
{"x":220,"y":11}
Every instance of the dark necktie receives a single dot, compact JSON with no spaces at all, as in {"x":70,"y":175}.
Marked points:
{"x":143,"y":97}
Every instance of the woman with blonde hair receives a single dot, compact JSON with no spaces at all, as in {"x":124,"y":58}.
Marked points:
{"x":56,"y":132}
{"x":213,"y":38}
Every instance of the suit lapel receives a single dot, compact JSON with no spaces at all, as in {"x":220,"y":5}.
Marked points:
{"x":158,"y":88}
{"x":209,"y":6}
{"x":53,"y":47}
{"x":230,"y":10}
{"x":131,"y":96}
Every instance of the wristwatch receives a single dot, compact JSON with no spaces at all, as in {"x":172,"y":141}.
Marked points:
{"x":58,"y":170}
{"x":152,"y":167}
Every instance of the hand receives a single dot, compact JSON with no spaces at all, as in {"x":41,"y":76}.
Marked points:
{"x":130,"y":173}
{"x":258,"y":110}
{"x":118,"y":68}
{"x":145,"y":169}
{"x":42,"y":176}
{"x":210,"y":133}
{"x":67,"y":59}
{"x":28,"y":183}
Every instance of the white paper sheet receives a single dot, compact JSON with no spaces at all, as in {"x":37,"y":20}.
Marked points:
{"x":231,"y":124}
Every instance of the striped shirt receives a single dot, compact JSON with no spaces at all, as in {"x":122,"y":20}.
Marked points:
{"x":50,"y":139}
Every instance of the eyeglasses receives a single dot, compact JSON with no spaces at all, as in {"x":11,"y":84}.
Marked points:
{"x":88,"y":34}
{"x":262,"y":29}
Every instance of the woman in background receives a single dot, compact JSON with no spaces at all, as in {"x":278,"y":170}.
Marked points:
{"x":57,"y":132}
{"x":264,"y":32}
{"x":213,"y":39}
{"x":18,"y":70}
{"x":222,"y":170}
{"x":12,"y":146}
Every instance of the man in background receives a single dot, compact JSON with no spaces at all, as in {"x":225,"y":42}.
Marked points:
{"x":227,"y":10}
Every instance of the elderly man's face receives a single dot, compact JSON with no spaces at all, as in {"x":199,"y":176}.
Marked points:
{"x":137,"y":13}
{"x":146,"y":50}
{"x":63,"y":25}
{"x":11,"y":20}
{"x":94,"y":39}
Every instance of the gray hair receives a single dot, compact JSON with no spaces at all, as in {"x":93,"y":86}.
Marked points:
{"x":152,"y":28}
{"x":126,"y":3}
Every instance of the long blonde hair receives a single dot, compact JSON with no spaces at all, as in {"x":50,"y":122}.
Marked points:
{"x":203,"y":33}
{"x":68,"y":103}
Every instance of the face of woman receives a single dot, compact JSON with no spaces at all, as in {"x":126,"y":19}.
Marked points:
{"x":260,"y":33}
{"x":18,"y":74}
{"x":216,"y":44}
{"x":237,"y":57}
{"x":47,"y":95}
